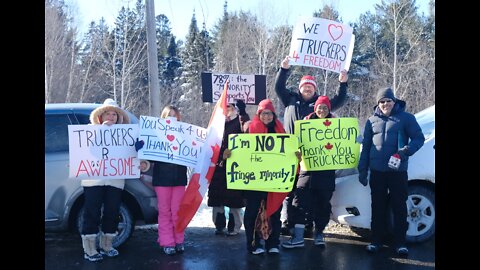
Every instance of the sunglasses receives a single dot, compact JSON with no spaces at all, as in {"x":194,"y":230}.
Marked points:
{"x":385,"y":100}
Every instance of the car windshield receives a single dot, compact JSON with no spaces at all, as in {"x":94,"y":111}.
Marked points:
{"x":426,"y":120}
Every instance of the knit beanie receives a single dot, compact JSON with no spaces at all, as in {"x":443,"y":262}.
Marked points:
{"x":385,"y":93}
{"x":265,"y":104}
{"x":307,"y":79}
{"x":322,"y":100}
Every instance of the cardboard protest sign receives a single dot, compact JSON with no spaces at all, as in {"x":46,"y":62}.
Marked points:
{"x":250,"y":88}
{"x":322,"y":43}
{"x":328,"y":144}
{"x":171,"y":141}
{"x":262,"y":162}
{"x":103,"y":152}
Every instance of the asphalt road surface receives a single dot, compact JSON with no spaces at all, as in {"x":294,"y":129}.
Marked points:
{"x":205,"y":250}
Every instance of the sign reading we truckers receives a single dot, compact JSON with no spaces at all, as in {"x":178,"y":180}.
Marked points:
{"x":103,"y":152}
{"x":328,"y":144}
{"x":171,"y":141}
{"x":262,"y":162}
{"x":321,"y":43}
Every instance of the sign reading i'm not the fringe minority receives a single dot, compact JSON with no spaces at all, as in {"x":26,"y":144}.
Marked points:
{"x":322,"y":43}
{"x":262,"y":162}
{"x":250,"y":88}
{"x":103,"y":152}
{"x":170,"y":141}
{"x":329,"y":143}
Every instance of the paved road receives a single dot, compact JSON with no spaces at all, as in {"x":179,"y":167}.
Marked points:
{"x":204,"y":250}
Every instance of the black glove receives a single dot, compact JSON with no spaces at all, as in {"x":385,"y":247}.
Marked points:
{"x":362,"y":178}
{"x":139,"y":144}
{"x":402,"y":152}
{"x":240,"y":104}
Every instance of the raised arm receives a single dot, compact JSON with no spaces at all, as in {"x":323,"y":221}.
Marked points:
{"x":340,"y":97}
{"x":281,"y":82}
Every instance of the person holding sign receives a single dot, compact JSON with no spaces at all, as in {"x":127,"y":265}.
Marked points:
{"x":169,"y":181}
{"x":389,"y":134}
{"x":262,"y":213}
{"x":218,"y":194}
{"x":313,"y":192}
{"x":299,"y":104}
{"x":102,"y":192}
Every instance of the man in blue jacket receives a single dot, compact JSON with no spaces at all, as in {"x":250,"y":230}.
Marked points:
{"x":390,"y":131}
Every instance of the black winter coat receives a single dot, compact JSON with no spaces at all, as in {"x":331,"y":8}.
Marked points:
{"x":168,"y":174}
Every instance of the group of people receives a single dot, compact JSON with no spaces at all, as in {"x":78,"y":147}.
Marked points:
{"x":390,"y":131}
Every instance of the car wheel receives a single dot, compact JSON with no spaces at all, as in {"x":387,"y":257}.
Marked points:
{"x":421,"y":213}
{"x":125,"y":225}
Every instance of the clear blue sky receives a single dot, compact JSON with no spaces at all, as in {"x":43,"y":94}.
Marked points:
{"x":180,"y":12}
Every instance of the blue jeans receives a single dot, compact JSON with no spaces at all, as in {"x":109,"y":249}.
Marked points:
{"x":96,"y":196}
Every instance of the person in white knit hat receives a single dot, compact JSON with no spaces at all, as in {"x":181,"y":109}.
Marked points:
{"x":102,"y":192}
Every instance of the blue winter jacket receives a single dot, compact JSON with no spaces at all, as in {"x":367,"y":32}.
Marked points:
{"x":385,"y":135}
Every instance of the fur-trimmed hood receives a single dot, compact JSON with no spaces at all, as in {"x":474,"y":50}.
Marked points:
{"x":109,"y":105}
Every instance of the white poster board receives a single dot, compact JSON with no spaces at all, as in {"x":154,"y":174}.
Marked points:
{"x":321,"y":43}
{"x":103,"y":152}
{"x":240,"y":86}
{"x":171,"y":141}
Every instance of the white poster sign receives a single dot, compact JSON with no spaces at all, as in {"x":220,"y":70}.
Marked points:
{"x":103,"y":152}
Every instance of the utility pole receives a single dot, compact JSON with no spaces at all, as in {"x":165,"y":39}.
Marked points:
{"x":152,"y":59}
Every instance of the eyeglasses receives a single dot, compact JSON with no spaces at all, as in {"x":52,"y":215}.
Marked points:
{"x":385,"y":100}
{"x":266,"y":113}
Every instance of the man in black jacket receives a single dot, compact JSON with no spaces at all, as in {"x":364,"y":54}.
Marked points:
{"x":299,"y":104}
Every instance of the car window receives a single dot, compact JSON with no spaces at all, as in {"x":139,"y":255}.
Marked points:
{"x":56,"y":132}
{"x":426,"y":120}
{"x":83,"y":119}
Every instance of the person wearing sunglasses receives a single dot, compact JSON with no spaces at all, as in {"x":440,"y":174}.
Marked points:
{"x":390,"y":133}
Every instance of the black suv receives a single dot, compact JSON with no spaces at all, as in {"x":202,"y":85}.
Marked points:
{"x":64,"y":195}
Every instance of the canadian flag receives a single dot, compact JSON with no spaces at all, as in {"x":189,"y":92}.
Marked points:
{"x":203,"y":171}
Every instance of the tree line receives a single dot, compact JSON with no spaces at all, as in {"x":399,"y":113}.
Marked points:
{"x":394,"y":47}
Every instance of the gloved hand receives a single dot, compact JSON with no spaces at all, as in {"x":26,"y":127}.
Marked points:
{"x":402,"y":152}
{"x":240,"y":104}
{"x":139,"y":144}
{"x":362,"y":177}
{"x":226,"y":153}
{"x":299,"y":156}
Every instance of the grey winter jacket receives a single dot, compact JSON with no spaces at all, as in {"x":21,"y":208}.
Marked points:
{"x":384,"y":136}
{"x":295,"y":107}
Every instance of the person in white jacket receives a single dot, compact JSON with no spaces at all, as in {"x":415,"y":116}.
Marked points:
{"x":102,"y":192}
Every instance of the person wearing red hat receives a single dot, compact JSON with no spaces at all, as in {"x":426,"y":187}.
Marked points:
{"x":314,"y":189}
{"x":299,"y":104}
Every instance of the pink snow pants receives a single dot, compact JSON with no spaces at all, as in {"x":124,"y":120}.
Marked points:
{"x":168,"y":199}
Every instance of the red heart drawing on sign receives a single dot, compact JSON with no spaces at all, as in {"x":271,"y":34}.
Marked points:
{"x":328,"y":146}
{"x":170,"y":137}
{"x":174,"y":147}
{"x":193,"y":143}
{"x":168,"y":121}
{"x":335,"y":31}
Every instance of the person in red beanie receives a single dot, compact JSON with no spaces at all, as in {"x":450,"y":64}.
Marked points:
{"x":298,"y":104}
{"x":314,"y":189}
{"x":261,"y":205}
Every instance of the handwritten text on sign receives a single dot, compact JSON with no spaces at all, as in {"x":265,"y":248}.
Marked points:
{"x":322,"y":43}
{"x":262,"y":162}
{"x":171,"y":141}
{"x":103,"y":152}
{"x":328,"y":144}
{"x":239,"y":87}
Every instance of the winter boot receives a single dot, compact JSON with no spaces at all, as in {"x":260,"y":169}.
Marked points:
{"x":90,"y":248}
{"x":220,"y":223}
{"x":296,"y":240}
{"x":231,"y":223}
{"x":106,"y":247}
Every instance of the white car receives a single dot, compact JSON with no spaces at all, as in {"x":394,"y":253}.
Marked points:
{"x":351,"y":201}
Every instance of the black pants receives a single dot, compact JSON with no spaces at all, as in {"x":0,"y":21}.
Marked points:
{"x":314,"y":201}
{"x":96,"y":196}
{"x":384,"y":185}
{"x":254,"y":199}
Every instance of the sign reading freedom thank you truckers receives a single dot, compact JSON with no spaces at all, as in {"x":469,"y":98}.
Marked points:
{"x":262,"y":162}
{"x":103,"y":152}
{"x":328,"y":144}
{"x":171,"y":141}
{"x":247,"y":87}
{"x":322,"y":43}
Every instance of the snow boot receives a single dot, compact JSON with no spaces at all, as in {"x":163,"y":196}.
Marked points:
{"x":296,"y":240}
{"x":106,"y":247}
{"x":90,"y":248}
